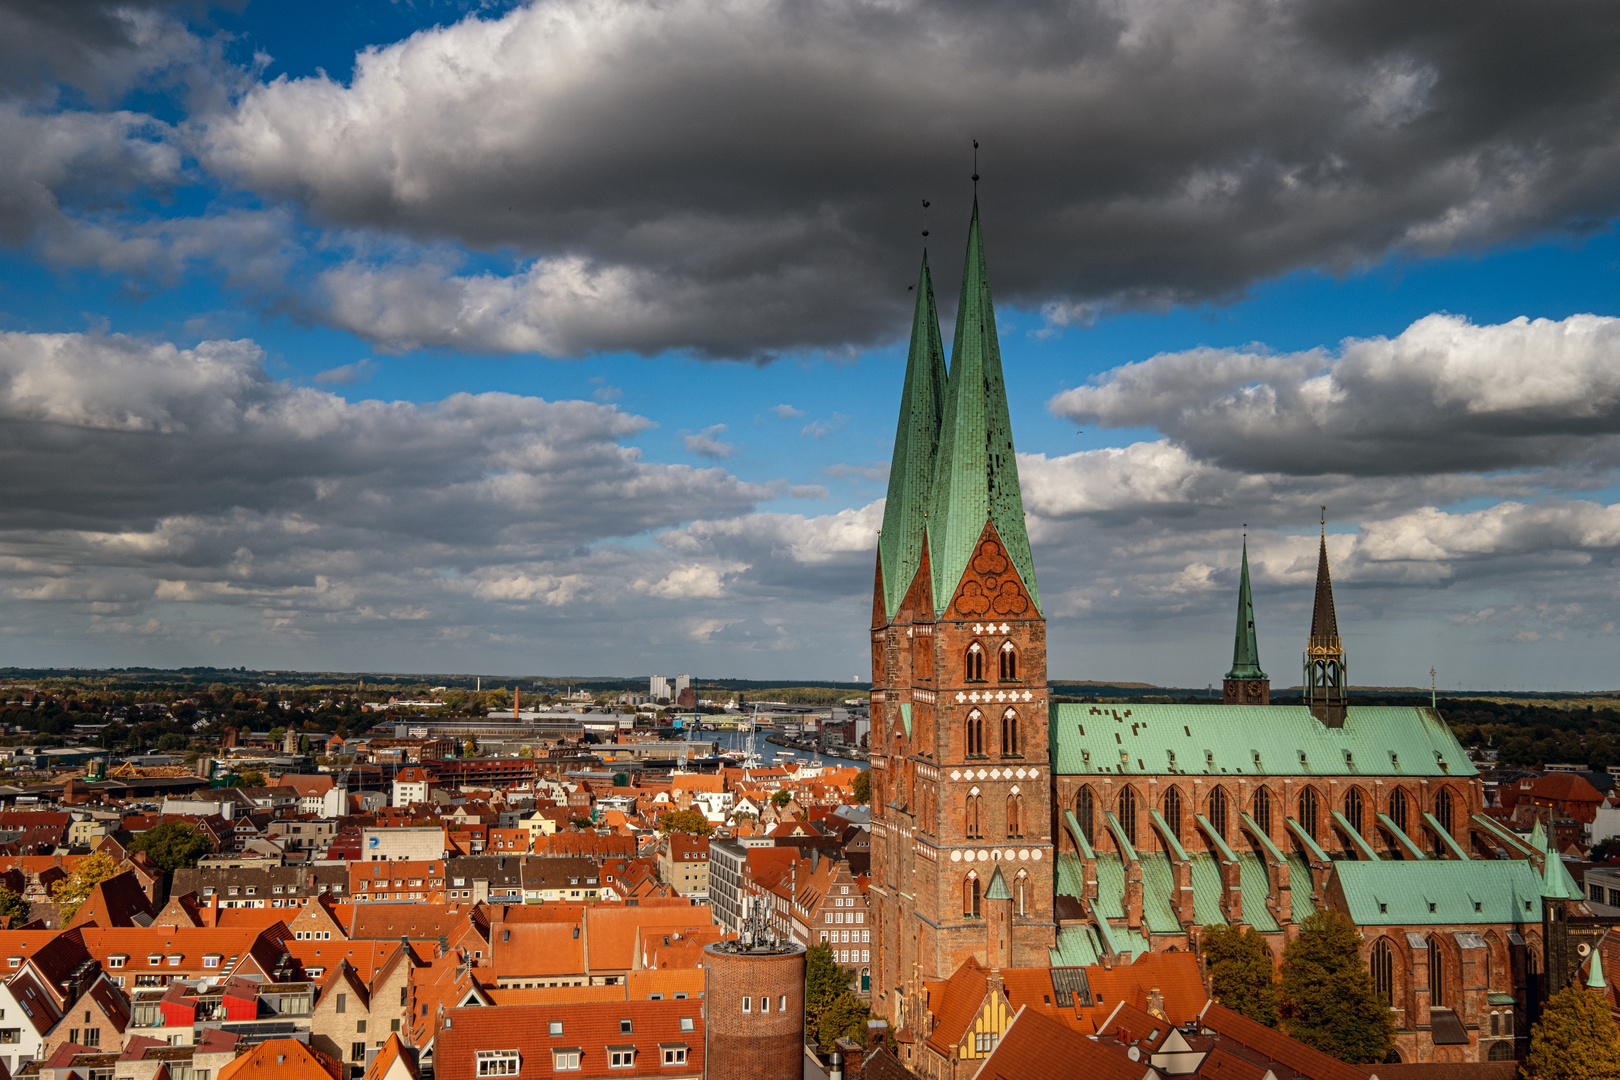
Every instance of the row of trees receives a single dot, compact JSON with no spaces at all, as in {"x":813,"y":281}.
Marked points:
{"x":1325,"y":998}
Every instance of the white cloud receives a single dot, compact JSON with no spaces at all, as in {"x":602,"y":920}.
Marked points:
{"x":821,"y":429}
{"x":787,"y":412}
{"x":706,"y":443}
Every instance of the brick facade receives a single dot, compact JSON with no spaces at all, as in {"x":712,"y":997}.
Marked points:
{"x":754,"y":1009}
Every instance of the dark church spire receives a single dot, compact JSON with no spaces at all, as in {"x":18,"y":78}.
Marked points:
{"x":1246,"y":684}
{"x":1325,"y":686}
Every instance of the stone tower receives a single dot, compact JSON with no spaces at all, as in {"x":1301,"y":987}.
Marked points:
{"x":1246,"y":684}
{"x":961,"y":778}
{"x":1326,"y":689}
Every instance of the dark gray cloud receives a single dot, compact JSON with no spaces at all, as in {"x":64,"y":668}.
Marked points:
{"x":743,"y":178}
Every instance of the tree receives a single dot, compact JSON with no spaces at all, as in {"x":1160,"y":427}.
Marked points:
{"x":526,"y":751}
{"x":1327,"y":993}
{"x":173,"y":741}
{"x":251,"y":778}
{"x":173,"y":845}
{"x":1242,"y":973}
{"x":782,"y":797}
{"x":845,"y":1015}
{"x":1575,"y":1039}
{"x":276,"y":735}
{"x":824,"y":983}
{"x":685,"y":821}
{"x":863,"y":786}
{"x":13,"y":909}
{"x":72,"y":891}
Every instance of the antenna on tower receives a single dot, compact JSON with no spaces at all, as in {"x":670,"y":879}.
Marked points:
{"x":1434,"y":699}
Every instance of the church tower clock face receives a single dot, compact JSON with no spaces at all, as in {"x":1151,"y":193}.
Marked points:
{"x":1254,"y":689}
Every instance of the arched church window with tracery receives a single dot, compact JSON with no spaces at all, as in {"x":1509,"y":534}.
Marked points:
{"x":1437,"y":975}
{"x":1397,"y":808}
{"x":1009,"y":733}
{"x":1171,"y":809}
{"x":970,"y":896}
{"x":1009,"y":662}
{"x":975,"y":733}
{"x":1015,"y":816}
{"x":1217,"y":812}
{"x":1262,"y":810}
{"x":975,"y":662}
{"x":1307,"y":811}
{"x":1442,"y":808}
{"x":1127,"y":813}
{"x":975,"y":817}
{"x":1383,"y":971}
{"x":1353,"y":809}
{"x":1085,"y":811}
{"x":1023,"y":883}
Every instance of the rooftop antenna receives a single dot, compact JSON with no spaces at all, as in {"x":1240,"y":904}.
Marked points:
{"x":975,"y":169}
{"x":1434,"y":701}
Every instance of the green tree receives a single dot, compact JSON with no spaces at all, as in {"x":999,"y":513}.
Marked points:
{"x":173,"y":845}
{"x":845,"y":1015}
{"x":782,"y":797}
{"x":685,"y":821}
{"x":276,"y":735}
{"x":863,"y":786}
{"x":1242,"y":973}
{"x":13,"y":909}
{"x":173,"y":741}
{"x":1574,"y":1040}
{"x":824,"y":983}
{"x":72,"y":891}
{"x":251,"y":778}
{"x":1327,"y":993}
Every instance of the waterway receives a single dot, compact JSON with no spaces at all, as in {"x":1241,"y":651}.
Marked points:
{"x":738,"y":740}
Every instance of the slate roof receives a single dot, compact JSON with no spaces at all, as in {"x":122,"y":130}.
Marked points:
{"x":1251,"y":740}
{"x":1401,"y":893}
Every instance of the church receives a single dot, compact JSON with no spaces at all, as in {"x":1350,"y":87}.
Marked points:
{"x":1015,"y":833}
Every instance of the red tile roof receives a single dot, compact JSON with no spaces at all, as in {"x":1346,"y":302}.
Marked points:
{"x":590,"y":1027}
{"x":1302,"y":1059}
{"x":1032,"y":1044}
{"x":290,"y":1060}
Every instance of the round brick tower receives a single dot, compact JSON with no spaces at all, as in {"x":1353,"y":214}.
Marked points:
{"x":753,"y":1010}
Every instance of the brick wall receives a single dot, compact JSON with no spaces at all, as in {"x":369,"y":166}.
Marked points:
{"x":754,"y":1045}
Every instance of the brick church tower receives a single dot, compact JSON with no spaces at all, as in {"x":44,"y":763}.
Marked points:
{"x":962,"y":854}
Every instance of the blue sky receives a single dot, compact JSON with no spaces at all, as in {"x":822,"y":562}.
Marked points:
{"x":642,"y":325}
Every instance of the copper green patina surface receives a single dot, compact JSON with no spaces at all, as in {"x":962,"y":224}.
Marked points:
{"x":1252,"y":740}
{"x":976,"y":472}
{"x":1439,"y":892}
{"x":1246,"y":645}
{"x":916,"y":443}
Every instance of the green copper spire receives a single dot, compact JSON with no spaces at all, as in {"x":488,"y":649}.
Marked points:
{"x":1594,"y":977}
{"x":1556,"y":882}
{"x":998,"y":887}
{"x":976,"y":474}
{"x":916,"y":441}
{"x":1246,"y":646}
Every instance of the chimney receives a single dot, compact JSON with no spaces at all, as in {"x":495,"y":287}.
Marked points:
{"x":835,"y":1066}
{"x":210,"y":912}
{"x":1155,"y":1003}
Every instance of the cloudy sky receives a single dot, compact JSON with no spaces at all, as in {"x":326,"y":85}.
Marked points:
{"x":566,"y":337}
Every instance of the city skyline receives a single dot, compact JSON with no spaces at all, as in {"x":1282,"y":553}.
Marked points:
{"x":316,"y":355}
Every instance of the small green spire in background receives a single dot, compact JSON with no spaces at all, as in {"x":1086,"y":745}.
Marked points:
{"x":1245,"y":645}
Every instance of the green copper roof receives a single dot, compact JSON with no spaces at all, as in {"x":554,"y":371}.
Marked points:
{"x":1401,"y":893}
{"x":997,"y":889}
{"x":916,"y":441}
{"x":1249,"y":740}
{"x":1594,"y":978}
{"x":976,"y":473}
{"x":1556,"y":882}
{"x":1245,"y":646}
{"x":1538,"y":837}
{"x":1159,"y":889}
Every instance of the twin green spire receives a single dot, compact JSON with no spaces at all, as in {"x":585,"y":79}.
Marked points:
{"x":1246,"y":645}
{"x":954,"y":464}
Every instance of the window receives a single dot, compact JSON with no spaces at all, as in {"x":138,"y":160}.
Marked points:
{"x":625,"y":1027}
{"x":781,"y":1006}
{"x":975,"y":662}
{"x":975,"y":733}
{"x":211,"y":961}
{"x":1501,"y":1051}
{"x":674,"y":1055}
{"x":1085,"y":807}
{"x":985,"y":1041}
{"x":92,"y":1037}
{"x":1172,"y":811}
{"x":112,"y":961}
{"x":1009,"y":661}
{"x":1437,"y":975}
{"x":393,"y":1025}
{"x":1262,"y":810}
{"x":1442,"y":809}
{"x":748,"y":1002}
{"x":970,"y":897}
{"x":1383,"y":971}
{"x":1009,"y":734}
{"x":1353,"y":809}
{"x":764,"y":1004}
{"x":556,"y":1027}
{"x":342,"y":1003}
{"x":357,"y":1051}
{"x":1015,"y":817}
{"x":1217,"y":812}
{"x":498,"y":1062}
{"x":1127,"y":813}
{"x":621,"y":1058}
{"x":1496,"y":1023}
{"x":1397,"y":808}
{"x":975,"y":817}
{"x":1307,"y":811}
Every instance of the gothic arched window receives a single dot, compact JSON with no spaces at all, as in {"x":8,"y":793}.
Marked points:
{"x":1501,"y":1051}
{"x":1009,"y":734}
{"x":1383,"y":971}
{"x":1217,"y":812}
{"x":1442,"y":808}
{"x":1437,"y":975}
{"x":1085,"y":810}
{"x":1009,"y":662}
{"x":975,"y":662}
{"x":1172,"y":811}
{"x":1353,"y":809}
{"x":1015,"y":817}
{"x":1023,"y":880}
{"x":970,"y":897}
{"x":975,"y":817}
{"x":975,"y":733}
{"x":1307,"y":811}
{"x":1397,"y":808}
{"x":1127,"y":813}
{"x":1262,"y":810}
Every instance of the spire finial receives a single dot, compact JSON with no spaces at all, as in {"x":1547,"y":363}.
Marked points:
{"x":975,"y":168}
{"x":925,"y":222}
{"x":1324,"y":521}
